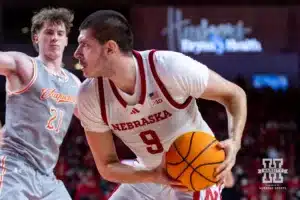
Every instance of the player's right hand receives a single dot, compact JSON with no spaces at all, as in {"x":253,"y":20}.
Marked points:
{"x":161,"y":177}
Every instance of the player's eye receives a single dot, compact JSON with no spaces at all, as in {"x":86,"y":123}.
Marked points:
{"x":61,"y":33}
{"x":49,"y":32}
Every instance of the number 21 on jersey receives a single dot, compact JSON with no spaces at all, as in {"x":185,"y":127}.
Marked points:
{"x":55,"y":121}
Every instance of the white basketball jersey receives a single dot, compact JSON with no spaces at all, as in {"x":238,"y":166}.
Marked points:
{"x":151,"y":126}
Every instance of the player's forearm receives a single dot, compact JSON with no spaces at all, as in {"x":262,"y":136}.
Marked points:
{"x":107,"y":161}
{"x":236,"y":108}
{"x":121,"y":173}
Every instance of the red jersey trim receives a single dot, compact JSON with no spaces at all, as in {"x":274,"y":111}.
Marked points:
{"x":102,"y":100}
{"x":163,"y":88}
{"x":142,"y":73}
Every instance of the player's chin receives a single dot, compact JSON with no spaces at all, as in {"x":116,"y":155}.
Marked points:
{"x":86,"y":73}
{"x":53,"y":55}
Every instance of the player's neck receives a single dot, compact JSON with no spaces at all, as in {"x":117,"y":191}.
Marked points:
{"x":53,"y":65}
{"x":125,"y":75}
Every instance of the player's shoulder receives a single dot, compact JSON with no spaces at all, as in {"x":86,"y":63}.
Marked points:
{"x":160,"y":55}
{"x":87,"y":86}
{"x":163,"y":58}
{"x":172,"y":58}
{"x":21,"y":59}
{"x":171,"y":63}
{"x":17,"y":54}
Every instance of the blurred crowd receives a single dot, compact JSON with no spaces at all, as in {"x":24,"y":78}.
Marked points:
{"x":271,"y":132}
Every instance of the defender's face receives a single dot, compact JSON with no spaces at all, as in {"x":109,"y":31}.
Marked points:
{"x":52,"y":39}
{"x":90,"y":54}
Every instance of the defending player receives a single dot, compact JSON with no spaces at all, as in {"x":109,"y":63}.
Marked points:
{"x":41,"y":98}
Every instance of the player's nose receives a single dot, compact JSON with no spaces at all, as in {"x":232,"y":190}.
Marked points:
{"x":54,"y":37}
{"x":77,"y":54}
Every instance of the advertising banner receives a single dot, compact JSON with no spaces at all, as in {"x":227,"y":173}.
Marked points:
{"x":211,"y":30}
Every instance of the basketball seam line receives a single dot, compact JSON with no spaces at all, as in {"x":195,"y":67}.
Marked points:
{"x":184,"y":158}
{"x":188,"y":153}
{"x":194,"y":169}
{"x":190,"y":145}
{"x":202,"y":174}
{"x":189,"y":164}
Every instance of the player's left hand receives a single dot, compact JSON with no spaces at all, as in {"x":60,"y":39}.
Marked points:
{"x":231,"y":149}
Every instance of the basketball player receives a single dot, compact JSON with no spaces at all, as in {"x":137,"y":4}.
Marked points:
{"x":41,"y":98}
{"x":148,"y":99}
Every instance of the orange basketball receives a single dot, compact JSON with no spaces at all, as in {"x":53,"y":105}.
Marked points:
{"x":192,"y":159}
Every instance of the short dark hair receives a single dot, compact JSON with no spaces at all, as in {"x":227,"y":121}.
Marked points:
{"x":110,"y":25}
{"x":53,"y":15}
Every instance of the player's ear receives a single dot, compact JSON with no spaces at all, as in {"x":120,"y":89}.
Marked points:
{"x":111,"y":47}
{"x":35,"y":38}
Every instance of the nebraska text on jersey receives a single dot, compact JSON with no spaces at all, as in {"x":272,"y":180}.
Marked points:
{"x":58,"y":97}
{"x":142,"y":122}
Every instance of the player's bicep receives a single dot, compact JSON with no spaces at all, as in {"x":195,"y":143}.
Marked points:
{"x":15,"y":62}
{"x":103,"y":149}
{"x":219,"y":89}
{"x":7,"y":63}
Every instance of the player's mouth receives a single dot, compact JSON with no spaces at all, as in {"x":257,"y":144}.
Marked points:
{"x":54,"y":46}
{"x":82,"y":64}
